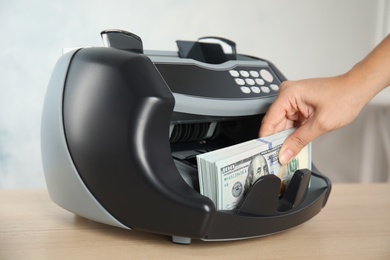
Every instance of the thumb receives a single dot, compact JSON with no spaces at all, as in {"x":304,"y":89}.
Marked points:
{"x":295,"y":143}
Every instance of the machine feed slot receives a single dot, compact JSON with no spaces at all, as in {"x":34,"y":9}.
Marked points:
{"x":264,"y":198}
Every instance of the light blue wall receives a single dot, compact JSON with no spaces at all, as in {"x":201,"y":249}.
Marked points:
{"x":303,"y":38}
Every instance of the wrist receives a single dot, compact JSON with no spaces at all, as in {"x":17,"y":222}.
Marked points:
{"x":362,"y":83}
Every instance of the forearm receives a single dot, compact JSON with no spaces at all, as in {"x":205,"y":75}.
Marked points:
{"x":372,"y":74}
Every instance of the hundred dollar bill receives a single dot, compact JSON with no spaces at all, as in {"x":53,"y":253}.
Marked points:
{"x":232,"y":176}
{"x":206,"y":160}
{"x":226,"y":179}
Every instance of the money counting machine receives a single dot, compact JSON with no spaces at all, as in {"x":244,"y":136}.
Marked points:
{"x":122,"y":126}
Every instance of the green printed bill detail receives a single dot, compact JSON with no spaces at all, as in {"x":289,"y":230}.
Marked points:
{"x":226,"y":176}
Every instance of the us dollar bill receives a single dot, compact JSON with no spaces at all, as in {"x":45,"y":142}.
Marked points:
{"x":227,"y":179}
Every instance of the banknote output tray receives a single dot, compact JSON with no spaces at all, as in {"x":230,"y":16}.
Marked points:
{"x":121,"y":128}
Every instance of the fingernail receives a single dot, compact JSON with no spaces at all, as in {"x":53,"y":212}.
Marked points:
{"x":285,"y":156}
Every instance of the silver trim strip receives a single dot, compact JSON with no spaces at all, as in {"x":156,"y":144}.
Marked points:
{"x":221,"y":107}
{"x":231,"y":64}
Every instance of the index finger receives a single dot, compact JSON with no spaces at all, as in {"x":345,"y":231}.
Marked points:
{"x":274,"y":117}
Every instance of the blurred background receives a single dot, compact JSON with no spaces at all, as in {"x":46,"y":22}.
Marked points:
{"x":303,"y":38}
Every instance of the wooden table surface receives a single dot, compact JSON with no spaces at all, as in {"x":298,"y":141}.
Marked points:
{"x":355,"y":224}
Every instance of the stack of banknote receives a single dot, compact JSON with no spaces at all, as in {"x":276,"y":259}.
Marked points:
{"x":226,"y":175}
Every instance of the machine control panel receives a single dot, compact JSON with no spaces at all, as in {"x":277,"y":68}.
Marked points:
{"x":239,"y":82}
{"x":211,"y":68}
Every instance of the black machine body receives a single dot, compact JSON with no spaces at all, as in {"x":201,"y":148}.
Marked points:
{"x":122,"y":126}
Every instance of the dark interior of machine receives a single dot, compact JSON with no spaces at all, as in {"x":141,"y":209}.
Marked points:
{"x":188,"y":139}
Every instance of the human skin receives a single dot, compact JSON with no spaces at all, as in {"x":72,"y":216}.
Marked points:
{"x":320,"y":105}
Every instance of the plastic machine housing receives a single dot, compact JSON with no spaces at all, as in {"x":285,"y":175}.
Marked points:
{"x":121,"y":128}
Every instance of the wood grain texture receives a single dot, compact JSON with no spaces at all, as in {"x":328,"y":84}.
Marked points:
{"x":353,"y":225}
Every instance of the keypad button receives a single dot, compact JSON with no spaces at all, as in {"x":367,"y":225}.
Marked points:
{"x":245,"y":90}
{"x":260,"y":82}
{"x":274,"y":87}
{"x":244,"y":73}
{"x":265,"y":89}
{"x":266,"y":75}
{"x":234,"y":73}
{"x":255,"y":90}
{"x":254,"y":73}
{"x":239,"y":81}
{"x":250,"y":82}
